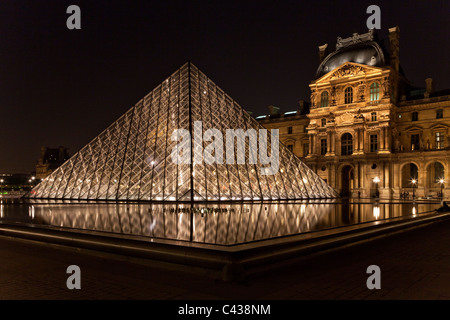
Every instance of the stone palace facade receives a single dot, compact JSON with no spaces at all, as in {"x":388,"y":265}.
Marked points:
{"x":367,"y":130}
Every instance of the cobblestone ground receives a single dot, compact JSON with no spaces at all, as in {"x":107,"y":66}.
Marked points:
{"x":414,"y":265}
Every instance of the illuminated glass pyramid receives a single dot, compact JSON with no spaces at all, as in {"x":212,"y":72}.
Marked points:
{"x":131,"y":159}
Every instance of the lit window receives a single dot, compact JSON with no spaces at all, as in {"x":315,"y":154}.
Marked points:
{"x":439,"y":114}
{"x":348,"y":94}
{"x":324,"y":99}
{"x":439,"y":140}
{"x":375,"y":91}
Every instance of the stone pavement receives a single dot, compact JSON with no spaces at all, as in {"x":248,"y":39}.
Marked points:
{"x":415,"y":264}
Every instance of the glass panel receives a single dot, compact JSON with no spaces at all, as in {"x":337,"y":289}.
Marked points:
{"x":131,"y":159}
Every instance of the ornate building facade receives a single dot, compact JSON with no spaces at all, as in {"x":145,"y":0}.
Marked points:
{"x":368,"y":131}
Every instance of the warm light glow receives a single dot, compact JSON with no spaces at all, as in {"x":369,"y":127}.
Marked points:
{"x":376,"y":179}
{"x":441,"y":181}
{"x":413,"y":181}
{"x":376,"y":211}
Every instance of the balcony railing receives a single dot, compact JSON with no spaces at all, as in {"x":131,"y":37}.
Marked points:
{"x":423,"y":149}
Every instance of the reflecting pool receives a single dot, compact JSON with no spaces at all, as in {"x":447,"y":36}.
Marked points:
{"x":220,"y":224}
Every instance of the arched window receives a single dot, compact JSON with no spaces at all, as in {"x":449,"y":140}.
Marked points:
{"x":375,"y":91}
{"x":324,"y":99}
{"x":346,"y":144}
{"x":348,"y":95}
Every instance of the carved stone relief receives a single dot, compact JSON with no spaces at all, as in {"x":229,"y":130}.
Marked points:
{"x":347,"y":70}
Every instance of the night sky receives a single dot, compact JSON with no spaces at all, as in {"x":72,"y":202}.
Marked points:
{"x":63,"y":87}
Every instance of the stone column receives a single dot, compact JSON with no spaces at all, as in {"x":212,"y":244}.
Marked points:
{"x":310,"y":144}
{"x":420,"y":190}
{"x":328,"y":142}
{"x":358,"y":139}
{"x":382,"y":138}
{"x":333,"y":142}
{"x":387,"y":142}
{"x":362,"y":173}
{"x":396,"y":177}
{"x":361,"y":141}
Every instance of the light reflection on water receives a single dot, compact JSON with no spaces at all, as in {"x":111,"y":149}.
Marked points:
{"x":223,"y":224}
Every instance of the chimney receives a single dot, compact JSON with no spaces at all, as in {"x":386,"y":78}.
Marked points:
{"x":274,"y":110}
{"x":323,"y":52}
{"x":394,"y":47}
{"x":302,"y":108}
{"x":429,"y":87}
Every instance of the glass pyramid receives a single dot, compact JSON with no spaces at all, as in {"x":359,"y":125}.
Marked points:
{"x":131,"y":159}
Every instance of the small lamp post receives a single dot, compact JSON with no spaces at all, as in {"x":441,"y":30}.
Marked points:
{"x":442,"y":182}
{"x":376,"y":180}
{"x":414,"y":181}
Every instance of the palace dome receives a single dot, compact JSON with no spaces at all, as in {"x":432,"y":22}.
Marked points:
{"x":368,"y":53}
{"x":359,"y":48}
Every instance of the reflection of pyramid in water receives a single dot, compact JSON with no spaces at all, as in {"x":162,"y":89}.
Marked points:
{"x":131,"y":159}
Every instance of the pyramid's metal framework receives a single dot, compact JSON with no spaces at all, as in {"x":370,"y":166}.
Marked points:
{"x":130,"y":160}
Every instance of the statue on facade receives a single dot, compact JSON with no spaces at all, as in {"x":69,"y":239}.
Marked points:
{"x":386,"y":87}
{"x":361,"y":91}
{"x":333,"y":96}
{"x":313,"y":98}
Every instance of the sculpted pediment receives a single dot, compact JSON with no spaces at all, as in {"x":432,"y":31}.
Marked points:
{"x":345,"y":118}
{"x":438,"y":126}
{"x":349,"y":69}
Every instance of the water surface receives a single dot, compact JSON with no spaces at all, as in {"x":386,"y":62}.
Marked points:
{"x":221,"y":224}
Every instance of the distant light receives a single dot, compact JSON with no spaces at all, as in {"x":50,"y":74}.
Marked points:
{"x":290,"y":112}
{"x":413,"y":181}
{"x":260,"y":117}
{"x":376,"y":179}
{"x":441,"y":181}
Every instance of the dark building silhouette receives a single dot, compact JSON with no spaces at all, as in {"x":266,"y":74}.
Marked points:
{"x":50,"y":159}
